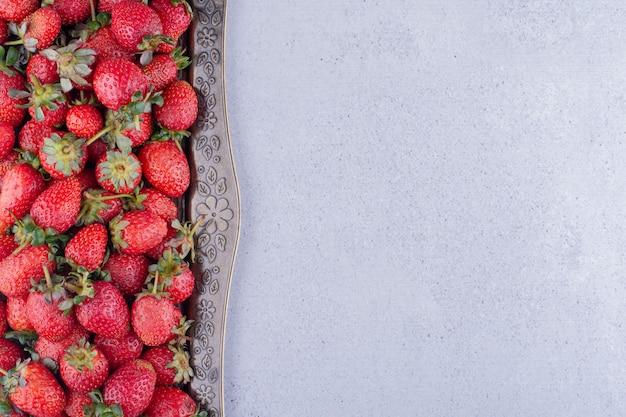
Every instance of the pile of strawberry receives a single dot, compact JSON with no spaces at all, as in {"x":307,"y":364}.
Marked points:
{"x":94,"y":263}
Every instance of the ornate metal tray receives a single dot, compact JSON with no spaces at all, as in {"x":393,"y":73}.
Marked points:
{"x":214,"y":198}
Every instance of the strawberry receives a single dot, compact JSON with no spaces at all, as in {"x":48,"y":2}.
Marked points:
{"x":34,"y":389}
{"x":135,"y":232}
{"x":165,"y":166}
{"x":16,"y":314}
{"x":10,"y":160}
{"x":12,"y":109}
{"x":106,"y":313}
{"x":87,"y":179}
{"x":159,"y":249}
{"x":84,"y":120}
{"x":10,"y":354}
{"x":103,"y":42}
{"x":84,"y":367}
{"x":95,"y":150}
{"x":138,"y":136}
{"x":58,"y":206}
{"x":174,"y":276}
{"x":43,"y":69}
{"x":128,"y":272}
{"x":4,"y":325}
{"x":171,"y":402}
{"x":88,"y":246}
{"x":176,"y":16}
{"x":170,"y":362}
{"x":131,"y":386}
{"x":99,"y":206}
{"x":116,"y":80}
{"x":17,"y":270}
{"x":132,"y":21}
{"x":46,"y":103}
{"x":7,"y":245}
{"x":47,"y":349}
{"x":4,"y":31}
{"x":154,"y":318}
{"x":163,"y":69}
{"x":43,"y":309}
{"x":180,"y":106}
{"x":17,"y":10}
{"x":158,"y":203}
{"x":119,"y":171}
{"x":32,"y":135}
{"x":21,"y":185}
{"x":63,"y":155}
{"x":7,"y":138}
{"x":107,"y":5}
{"x":75,"y":403}
{"x":42,"y":27}
{"x":70,"y":11}
{"x":119,"y":350}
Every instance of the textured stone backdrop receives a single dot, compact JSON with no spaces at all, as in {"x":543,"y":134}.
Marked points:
{"x":433,"y":205}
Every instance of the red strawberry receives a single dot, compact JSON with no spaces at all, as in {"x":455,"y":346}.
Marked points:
{"x":138,"y":136}
{"x":17,"y":271}
{"x":170,"y":402}
{"x":11,"y":109}
{"x":16,"y":314}
{"x":63,"y":156}
{"x":158,"y":203}
{"x":7,"y":162}
{"x":182,"y":285}
{"x":47,"y":103}
{"x":153,"y":318}
{"x":32,"y":135}
{"x":131,"y":386}
{"x":128,"y":272}
{"x":88,"y":246}
{"x":38,"y":392}
{"x":44,"y":69}
{"x":47,"y":349}
{"x":180,"y":106}
{"x":119,"y":171}
{"x":135,"y":232}
{"x":132,"y":21}
{"x":166,"y":167}
{"x":21,"y":185}
{"x":75,"y":403}
{"x":170,"y":362}
{"x":106,"y":47}
{"x":119,"y":350}
{"x":84,"y":120}
{"x":71,"y":11}
{"x":95,"y":150}
{"x":84,"y":367}
{"x":116,"y":80}
{"x":4,"y":31}
{"x":176,"y":16}
{"x":4,"y":325}
{"x":7,"y":138}
{"x":7,"y":245}
{"x":17,"y":10}
{"x":108,"y":5}
{"x":44,"y":312}
{"x":42,"y":27}
{"x":58,"y":206}
{"x":159,"y":249}
{"x":161,"y":71}
{"x":10,"y":354}
{"x":87,"y":179}
{"x":105,"y":313}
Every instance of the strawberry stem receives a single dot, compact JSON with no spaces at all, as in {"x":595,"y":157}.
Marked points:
{"x":100,"y":134}
{"x":46,"y":274}
{"x":156,"y":283}
{"x":3,"y":372}
{"x":93,"y":10}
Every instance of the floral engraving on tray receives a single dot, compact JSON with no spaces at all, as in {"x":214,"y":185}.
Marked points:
{"x":214,"y":203}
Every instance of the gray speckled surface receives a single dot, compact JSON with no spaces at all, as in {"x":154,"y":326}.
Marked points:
{"x":433,"y":208}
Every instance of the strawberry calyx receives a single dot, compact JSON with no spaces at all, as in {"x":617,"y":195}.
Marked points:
{"x":81,"y":284}
{"x":98,"y":408}
{"x":8,"y":58}
{"x":163,"y":134}
{"x":181,"y":60}
{"x":120,"y":170}
{"x":27,"y":232}
{"x":12,"y":379}
{"x":52,"y":287}
{"x":95,"y":201}
{"x":65,"y":154}
{"x":180,"y":363}
{"x":73,"y":63}
{"x":83,"y":31}
{"x":40,"y":96}
{"x":81,"y":356}
{"x":180,"y":331}
{"x":161,"y":273}
{"x":116,"y":227}
{"x":184,"y":241}
{"x":150,"y":43}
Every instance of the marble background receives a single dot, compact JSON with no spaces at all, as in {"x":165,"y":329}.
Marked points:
{"x":433,"y":205}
